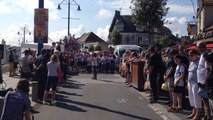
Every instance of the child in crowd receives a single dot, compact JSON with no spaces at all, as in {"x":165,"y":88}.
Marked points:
{"x":178,"y":85}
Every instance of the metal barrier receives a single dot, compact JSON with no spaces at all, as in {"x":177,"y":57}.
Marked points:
{"x":34,"y":90}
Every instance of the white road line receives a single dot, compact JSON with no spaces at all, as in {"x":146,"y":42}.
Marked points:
{"x":159,"y":112}
{"x":123,"y":100}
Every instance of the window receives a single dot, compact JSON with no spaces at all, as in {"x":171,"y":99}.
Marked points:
{"x":140,"y":40}
{"x":119,"y":28}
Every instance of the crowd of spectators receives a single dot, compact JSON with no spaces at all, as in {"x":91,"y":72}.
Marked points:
{"x":183,"y":72}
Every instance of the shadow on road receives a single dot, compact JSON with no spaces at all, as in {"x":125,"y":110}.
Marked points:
{"x":108,"y":81}
{"x":72,"y":84}
{"x":66,"y":93}
{"x":71,"y":107}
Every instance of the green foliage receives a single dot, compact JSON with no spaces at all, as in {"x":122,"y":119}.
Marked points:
{"x":98,"y":48}
{"x":165,"y":41}
{"x":117,"y":37}
{"x":149,"y":12}
{"x":91,"y":48}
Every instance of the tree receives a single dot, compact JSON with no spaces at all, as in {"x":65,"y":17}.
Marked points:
{"x":149,"y":13}
{"x":116,"y":38}
{"x":91,"y":48}
{"x":98,"y":48}
{"x":165,"y":41}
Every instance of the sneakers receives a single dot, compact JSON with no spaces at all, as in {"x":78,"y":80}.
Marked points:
{"x":153,"y":101}
{"x":45,"y":102}
{"x":53,"y":102}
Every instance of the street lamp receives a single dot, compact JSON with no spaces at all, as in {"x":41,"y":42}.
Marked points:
{"x":68,"y":2}
{"x":25,"y":30}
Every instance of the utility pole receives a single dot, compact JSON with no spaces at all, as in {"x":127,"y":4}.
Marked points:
{"x":40,"y":45}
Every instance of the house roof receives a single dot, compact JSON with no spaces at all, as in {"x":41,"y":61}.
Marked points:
{"x":130,"y":26}
{"x":90,"y":37}
{"x":126,"y":20}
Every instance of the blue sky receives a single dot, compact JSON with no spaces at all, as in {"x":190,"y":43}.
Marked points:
{"x":96,"y":16}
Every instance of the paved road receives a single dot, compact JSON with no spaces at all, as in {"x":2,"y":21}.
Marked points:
{"x":107,"y":98}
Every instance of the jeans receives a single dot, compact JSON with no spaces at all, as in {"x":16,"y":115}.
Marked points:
{"x":95,"y":72}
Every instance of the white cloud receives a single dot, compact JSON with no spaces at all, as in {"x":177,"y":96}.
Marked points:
{"x":103,"y":32}
{"x":122,"y":5}
{"x":176,"y":21}
{"x":177,"y":25}
{"x":27,"y":5}
{"x":53,"y":15}
{"x":4,"y":7}
{"x":104,"y":13}
{"x":57,"y":35}
{"x":12,"y":38}
{"x":181,"y":9}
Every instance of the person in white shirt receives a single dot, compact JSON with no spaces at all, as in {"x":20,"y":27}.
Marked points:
{"x":201,"y":77}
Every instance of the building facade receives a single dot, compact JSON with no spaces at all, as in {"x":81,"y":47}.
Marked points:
{"x":134,"y":34}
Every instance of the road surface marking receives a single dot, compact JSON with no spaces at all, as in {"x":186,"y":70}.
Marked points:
{"x":123,"y":100}
{"x":159,"y":112}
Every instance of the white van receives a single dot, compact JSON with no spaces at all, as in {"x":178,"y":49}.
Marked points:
{"x":120,"y":49}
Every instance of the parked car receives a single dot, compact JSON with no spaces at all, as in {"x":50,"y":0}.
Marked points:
{"x":120,"y":49}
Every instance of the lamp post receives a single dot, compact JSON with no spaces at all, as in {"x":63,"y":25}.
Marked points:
{"x":69,"y":3}
{"x":25,"y":30}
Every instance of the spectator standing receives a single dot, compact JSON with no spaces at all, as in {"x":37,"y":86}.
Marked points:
{"x":25,"y":68}
{"x":194,"y":99}
{"x":178,"y":85}
{"x":169,"y":74}
{"x":11,"y":63}
{"x":16,"y":56}
{"x":52,"y":79}
{"x":153,"y":72}
{"x":94,"y":65}
{"x":201,"y":77}
{"x":209,"y":80}
{"x":41,"y":73}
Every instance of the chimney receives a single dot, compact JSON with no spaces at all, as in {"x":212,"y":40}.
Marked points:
{"x":117,"y":13}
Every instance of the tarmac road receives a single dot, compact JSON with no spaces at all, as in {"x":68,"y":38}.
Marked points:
{"x":107,"y":98}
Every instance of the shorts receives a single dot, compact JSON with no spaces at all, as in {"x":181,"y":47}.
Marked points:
{"x":11,"y":66}
{"x":51,"y":83}
{"x":178,"y":89}
{"x":171,"y":83}
{"x":15,"y":65}
{"x":79,"y":63}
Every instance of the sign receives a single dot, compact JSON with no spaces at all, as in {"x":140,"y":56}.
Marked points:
{"x":41,"y":26}
{"x":1,"y":51}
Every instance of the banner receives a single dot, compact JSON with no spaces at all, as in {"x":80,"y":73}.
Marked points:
{"x":41,"y":26}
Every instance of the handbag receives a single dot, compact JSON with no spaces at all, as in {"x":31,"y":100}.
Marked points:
{"x":147,"y":85}
{"x":59,"y":75}
{"x":165,"y":86}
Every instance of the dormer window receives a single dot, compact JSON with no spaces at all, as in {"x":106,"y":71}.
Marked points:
{"x":119,"y":25}
{"x":139,"y":28}
{"x":119,"y":28}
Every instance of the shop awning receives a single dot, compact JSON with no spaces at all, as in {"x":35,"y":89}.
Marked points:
{"x":192,"y":47}
{"x":208,"y":46}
